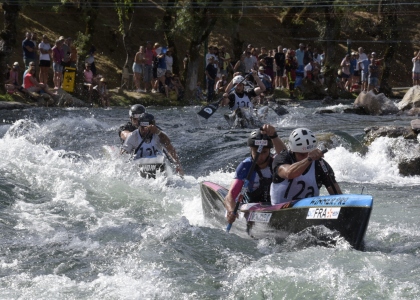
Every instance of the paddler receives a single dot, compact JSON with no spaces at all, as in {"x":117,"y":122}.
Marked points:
{"x":300,"y":172}
{"x":148,"y":141}
{"x":261,"y":178}
{"x":134,"y":113}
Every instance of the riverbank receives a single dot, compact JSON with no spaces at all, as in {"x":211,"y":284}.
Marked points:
{"x":124,"y":98}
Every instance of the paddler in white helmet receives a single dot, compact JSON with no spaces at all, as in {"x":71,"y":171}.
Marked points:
{"x":148,"y":141}
{"x":240,"y":98}
{"x":300,"y":172}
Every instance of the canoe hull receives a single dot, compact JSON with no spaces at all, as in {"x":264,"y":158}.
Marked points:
{"x":347,"y":214}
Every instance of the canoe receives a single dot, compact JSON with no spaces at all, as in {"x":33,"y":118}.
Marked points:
{"x":347,"y":214}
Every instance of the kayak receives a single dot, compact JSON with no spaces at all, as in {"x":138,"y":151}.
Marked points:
{"x":347,"y":214}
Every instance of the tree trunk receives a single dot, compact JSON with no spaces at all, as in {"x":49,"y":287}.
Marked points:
{"x":130,"y":48}
{"x":7,"y":38}
{"x":329,"y":37}
{"x":237,"y":42}
{"x":169,"y":20}
{"x":389,"y":32}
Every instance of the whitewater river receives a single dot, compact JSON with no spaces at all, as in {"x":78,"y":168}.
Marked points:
{"x":78,"y":223}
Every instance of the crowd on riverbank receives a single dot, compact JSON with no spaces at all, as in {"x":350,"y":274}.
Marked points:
{"x":278,"y":68}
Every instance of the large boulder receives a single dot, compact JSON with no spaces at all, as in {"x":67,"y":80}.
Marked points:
{"x":66,"y":99}
{"x":375,"y":104}
{"x":410,"y":167}
{"x":411,"y":99}
{"x":389,"y":131}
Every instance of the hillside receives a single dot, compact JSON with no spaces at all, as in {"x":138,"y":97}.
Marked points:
{"x":261,"y":27}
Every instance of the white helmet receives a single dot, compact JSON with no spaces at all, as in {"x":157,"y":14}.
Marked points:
{"x":302,"y":140}
{"x":238,"y":79}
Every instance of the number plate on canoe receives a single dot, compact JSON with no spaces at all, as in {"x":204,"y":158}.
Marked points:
{"x":259,"y":217}
{"x":323,"y":213}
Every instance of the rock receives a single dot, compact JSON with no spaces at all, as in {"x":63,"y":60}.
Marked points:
{"x":355,"y":110}
{"x":328,"y":100}
{"x":375,"y":104}
{"x":411,"y":99}
{"x":415,"y":125}
{"x":389,"y":131}
{"x":12,"y":105}
{"x":278,"y":109}
{"x":66,"y":99}
{"x":324,"y":111}
{"x":312,"y":90}
{"x":410,"y":167}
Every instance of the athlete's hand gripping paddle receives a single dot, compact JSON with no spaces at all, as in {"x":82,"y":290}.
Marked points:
{"x":260,"y":144}
{"x":208,"y":110}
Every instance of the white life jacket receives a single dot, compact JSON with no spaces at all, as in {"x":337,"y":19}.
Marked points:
{"x":303,"y":186}
{"x":241,"y":102}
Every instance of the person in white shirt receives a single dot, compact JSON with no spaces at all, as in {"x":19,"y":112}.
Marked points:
{"x":416,"y":68}
{"x":44,"y":59}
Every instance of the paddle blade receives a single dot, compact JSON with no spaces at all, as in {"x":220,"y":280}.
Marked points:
{"x":208,"y":110}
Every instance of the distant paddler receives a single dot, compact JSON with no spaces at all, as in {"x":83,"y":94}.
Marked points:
{"x":149,"y":141}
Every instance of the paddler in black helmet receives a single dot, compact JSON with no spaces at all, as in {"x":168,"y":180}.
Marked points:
{"x":134,"y":113}
{"x":260,"y":180}
{"x":148,"y":141}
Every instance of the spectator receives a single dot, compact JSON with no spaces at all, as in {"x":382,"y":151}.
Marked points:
{"x":225,"y":61}
{"x":66,"y":52}
{"x":240,"y":65}
{"x":373,"y":79}
{"x":199,"y":95}
{"x":364,"y":68}
{"x":161,"y":68}
{"x":44,"y":59}
{"x":280,"y":59}
{"x":249,"y":62}
{"x":211,"y":73}
{"x":148,"y":67}
{"x":139,"y":59}
{"x":221,"y":84}
{"x":57,"y":67}
{"x":291,"y":66}
{"x":88,"y":80}
{"x":102,"y":90}
{"x":32,"y":85}
{"x":177,"y":82}
{"x":12,"y":80}
{"x":90,"y":59}
{"x":266,"y":80}
{"x":300,"y":54}
{"x":73,"y":53}
{"x":169,"y":84}
{"x":416,"y":68}
{"x":169,"y":59}
{"x":345,"y":72}
{"x":28,"y":48}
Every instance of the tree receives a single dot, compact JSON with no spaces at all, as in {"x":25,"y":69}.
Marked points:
{"x":388,"y":32}
{"x":126,"y":14}
{"x":8,"y":36}
{"x":196,"y":19}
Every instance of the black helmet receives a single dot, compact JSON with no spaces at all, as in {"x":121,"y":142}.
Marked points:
{"x":256,"y":135}
{"x":146,"y":119}
{"x":136,"y":110}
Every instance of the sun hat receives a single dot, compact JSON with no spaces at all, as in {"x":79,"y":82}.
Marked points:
{"x":16,"y":64}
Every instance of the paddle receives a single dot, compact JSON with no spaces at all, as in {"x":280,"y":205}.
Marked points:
{"x":325,"y":169}
{"x":260,"y":144}
{"x":208,"y":110}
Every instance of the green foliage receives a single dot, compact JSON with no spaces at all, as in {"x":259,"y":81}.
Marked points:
{"x":6,"y":97}
{"x":123,"y":8}
{"x":82,"y":42}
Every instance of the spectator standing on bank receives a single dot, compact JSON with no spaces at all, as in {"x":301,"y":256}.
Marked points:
{"x":280,"y":59}
{"x":138,"y":68}
{"x":57,"y":54}
{"x":28,"y":48}
{"x":44,"y":59}
{"x":211,"y":73}
{"x":416,"y":68}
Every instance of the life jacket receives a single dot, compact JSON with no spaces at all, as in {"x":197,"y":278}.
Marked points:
{"x":262,"y":193}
